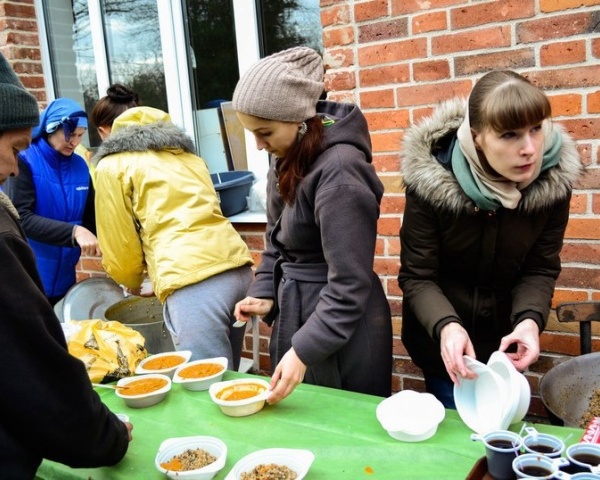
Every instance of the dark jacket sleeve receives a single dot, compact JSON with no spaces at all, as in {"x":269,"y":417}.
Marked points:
{"x":48,"y":408}
{"x":532,"y":296}
{"x":22,"y":193}
{"x":89,"y":213}
{"x":419,"y":270}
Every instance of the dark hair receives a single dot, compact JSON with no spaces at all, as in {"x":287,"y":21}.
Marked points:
{"x":118,"y":99}
{"x":503,"y":100}
{"x":294,"y":167}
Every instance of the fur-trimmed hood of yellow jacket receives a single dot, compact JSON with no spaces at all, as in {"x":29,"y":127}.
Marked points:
{"x":438,"y":186}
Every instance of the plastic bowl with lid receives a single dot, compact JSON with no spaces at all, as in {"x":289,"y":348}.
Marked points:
{"x":174,"y":447}
{"x":165,"y":362}
{"x":241,"y":397}
{"x":143,"y":390}
{"x":410,"y":416}
{"x":200,"y":374}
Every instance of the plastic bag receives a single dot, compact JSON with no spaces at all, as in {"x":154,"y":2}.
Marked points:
{"x":109,"y":349}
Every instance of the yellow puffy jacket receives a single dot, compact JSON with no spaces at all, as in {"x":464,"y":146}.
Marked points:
{"x":157,"y":209}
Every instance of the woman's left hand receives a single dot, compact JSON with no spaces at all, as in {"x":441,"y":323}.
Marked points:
{"x":288,"y":374}
{"x":527,"y":337}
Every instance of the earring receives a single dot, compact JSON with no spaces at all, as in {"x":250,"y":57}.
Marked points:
{"x":302,"y":130}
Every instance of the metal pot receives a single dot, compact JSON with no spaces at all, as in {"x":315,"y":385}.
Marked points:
{"x":567,"y":388}
{"x":144,"y":314}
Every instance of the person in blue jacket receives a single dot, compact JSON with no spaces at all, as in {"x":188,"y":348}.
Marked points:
{"x":54,"y":196}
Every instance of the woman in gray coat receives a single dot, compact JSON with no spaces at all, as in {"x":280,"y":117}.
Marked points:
{"x":488,"y":186}
{"x":315,"y":284}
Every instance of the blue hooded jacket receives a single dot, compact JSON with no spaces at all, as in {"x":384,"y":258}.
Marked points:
{"x":61,"y":185}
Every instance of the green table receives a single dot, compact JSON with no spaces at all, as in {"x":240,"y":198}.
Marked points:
{"x":339,"y":427}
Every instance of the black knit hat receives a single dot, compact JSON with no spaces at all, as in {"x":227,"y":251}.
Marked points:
{"x":18,"y":107}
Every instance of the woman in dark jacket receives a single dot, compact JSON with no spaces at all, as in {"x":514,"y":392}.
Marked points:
{"x":488,"y":186}
{"x":315,"y":284}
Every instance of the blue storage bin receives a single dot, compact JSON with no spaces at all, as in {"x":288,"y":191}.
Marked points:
{"x":232,"y":189}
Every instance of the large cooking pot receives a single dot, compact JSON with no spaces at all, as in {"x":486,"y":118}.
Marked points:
{"x":144,"y":314}
{"x":567,"y":388}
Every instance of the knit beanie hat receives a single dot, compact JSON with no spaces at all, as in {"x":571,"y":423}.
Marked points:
{"x":18,"y":107}
{"x":285,"y":86}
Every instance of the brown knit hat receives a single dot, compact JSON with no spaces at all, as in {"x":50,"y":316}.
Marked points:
{"x":19,"y":108}
{"x":284,"y":86}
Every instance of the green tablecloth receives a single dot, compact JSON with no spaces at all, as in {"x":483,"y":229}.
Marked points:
{"x":339,"y":427}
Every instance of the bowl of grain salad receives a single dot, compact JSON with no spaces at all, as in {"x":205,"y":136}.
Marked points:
{"x":191,"y":458}
{"x":280,"y":463}
{"x":200,"y":374}
{"x":165,"y":362}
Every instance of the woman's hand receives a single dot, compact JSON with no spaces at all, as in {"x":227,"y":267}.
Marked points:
{"x":288,"y":374}
{"x":249,"y":306}
{"x":87,"y":241}
{"x":454,"y":343}
{"x":527,"y":337}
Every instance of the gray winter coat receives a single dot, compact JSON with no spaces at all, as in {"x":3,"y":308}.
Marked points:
{"x":489,"y":270}
{"x":318,"y":265}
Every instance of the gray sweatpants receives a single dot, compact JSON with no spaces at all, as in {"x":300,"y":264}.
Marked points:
{"x":200,"y":316}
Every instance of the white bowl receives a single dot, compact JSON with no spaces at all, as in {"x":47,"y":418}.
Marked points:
{"x":145,"y":399}
{"x":481,"y":402}
{"x":518,"y":390}
{"x":297,"y":460}
{"x":240,"y":408}
{"x":200,"y":383}
{"x":173,"y":447}
{"x":144,"y":367}
{"x":410,"y":416}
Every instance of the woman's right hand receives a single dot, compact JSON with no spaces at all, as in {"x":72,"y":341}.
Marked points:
{"x":87,"y":241}
{"x":454,"y":343}
{"x":249,"y":306}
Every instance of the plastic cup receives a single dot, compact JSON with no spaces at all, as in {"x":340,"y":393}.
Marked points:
{"x":584,"y":457}
{"x":542,"y":443}
{"x":501,"y":448}
{"x":534,"y":465}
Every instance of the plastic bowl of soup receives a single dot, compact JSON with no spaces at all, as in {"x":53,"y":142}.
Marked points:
{"x":165,"y":363}
{"x":200,"y":374}
{"x":143,"y":390}
{"x":241,"y":397}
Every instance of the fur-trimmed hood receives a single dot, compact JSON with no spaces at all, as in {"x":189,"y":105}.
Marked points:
{"x":144,"y":128}
{"x":437,"y":186}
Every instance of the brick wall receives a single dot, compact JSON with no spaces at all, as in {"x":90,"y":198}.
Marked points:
{"x":397,"y":59}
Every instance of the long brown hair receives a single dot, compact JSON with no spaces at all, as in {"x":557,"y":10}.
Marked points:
{"x":503,"y":100}
{"x":301,"y":155}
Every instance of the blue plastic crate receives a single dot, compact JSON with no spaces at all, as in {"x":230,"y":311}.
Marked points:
{"x":232,"y":189}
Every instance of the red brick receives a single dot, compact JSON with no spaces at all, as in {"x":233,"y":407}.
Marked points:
{"x":338,"y":58}
{"x":484,"y":38}
{"x":384,"y":75}
{"x":18,"y":10}
{"x":392,"y":52}
{"x":585,"y":153}
{"x":337,"y":36}
{"x":430,"y":71}
{"x":497,"y":60}
{"x":593,"y":102}
{"x":386,"y":141}
{"x":596,"y":203}
{"x":388,"y":226}
{"x":370,"y":10}
{"x":387,"y":119}
{"x":341,"y":80}
{"x":561,"y":296}
{"x":547,"y":6}
{"x":580,"y":252}
{"x":555,"y":27}
{"x":387,"y":162}
{"x":378,"y":31}
{"x":566,"y":105}
{"x":377,"y":98}
{"x":491,"y":12}
{"x":421,"y":113}
{"x":583,"y":228}
{"x":562,"y":53}
{"x":393,"y":204}
{"x":583,"y":129}
{"x":402,"y":7}
{"x":578,"y":203}
{"x":431,"y":94}
{"x":386,"y":266}
{"x":392,"y":184}
{"x":596,"y":47}
{"x":579,"y":277}
{"x":429,"y":22}
{"x":336,"y":15}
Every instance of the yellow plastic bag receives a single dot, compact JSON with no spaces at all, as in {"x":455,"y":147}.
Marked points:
{"x":109,"y":349}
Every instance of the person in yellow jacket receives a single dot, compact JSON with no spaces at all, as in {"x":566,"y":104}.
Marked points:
{"x":157,"y":211}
